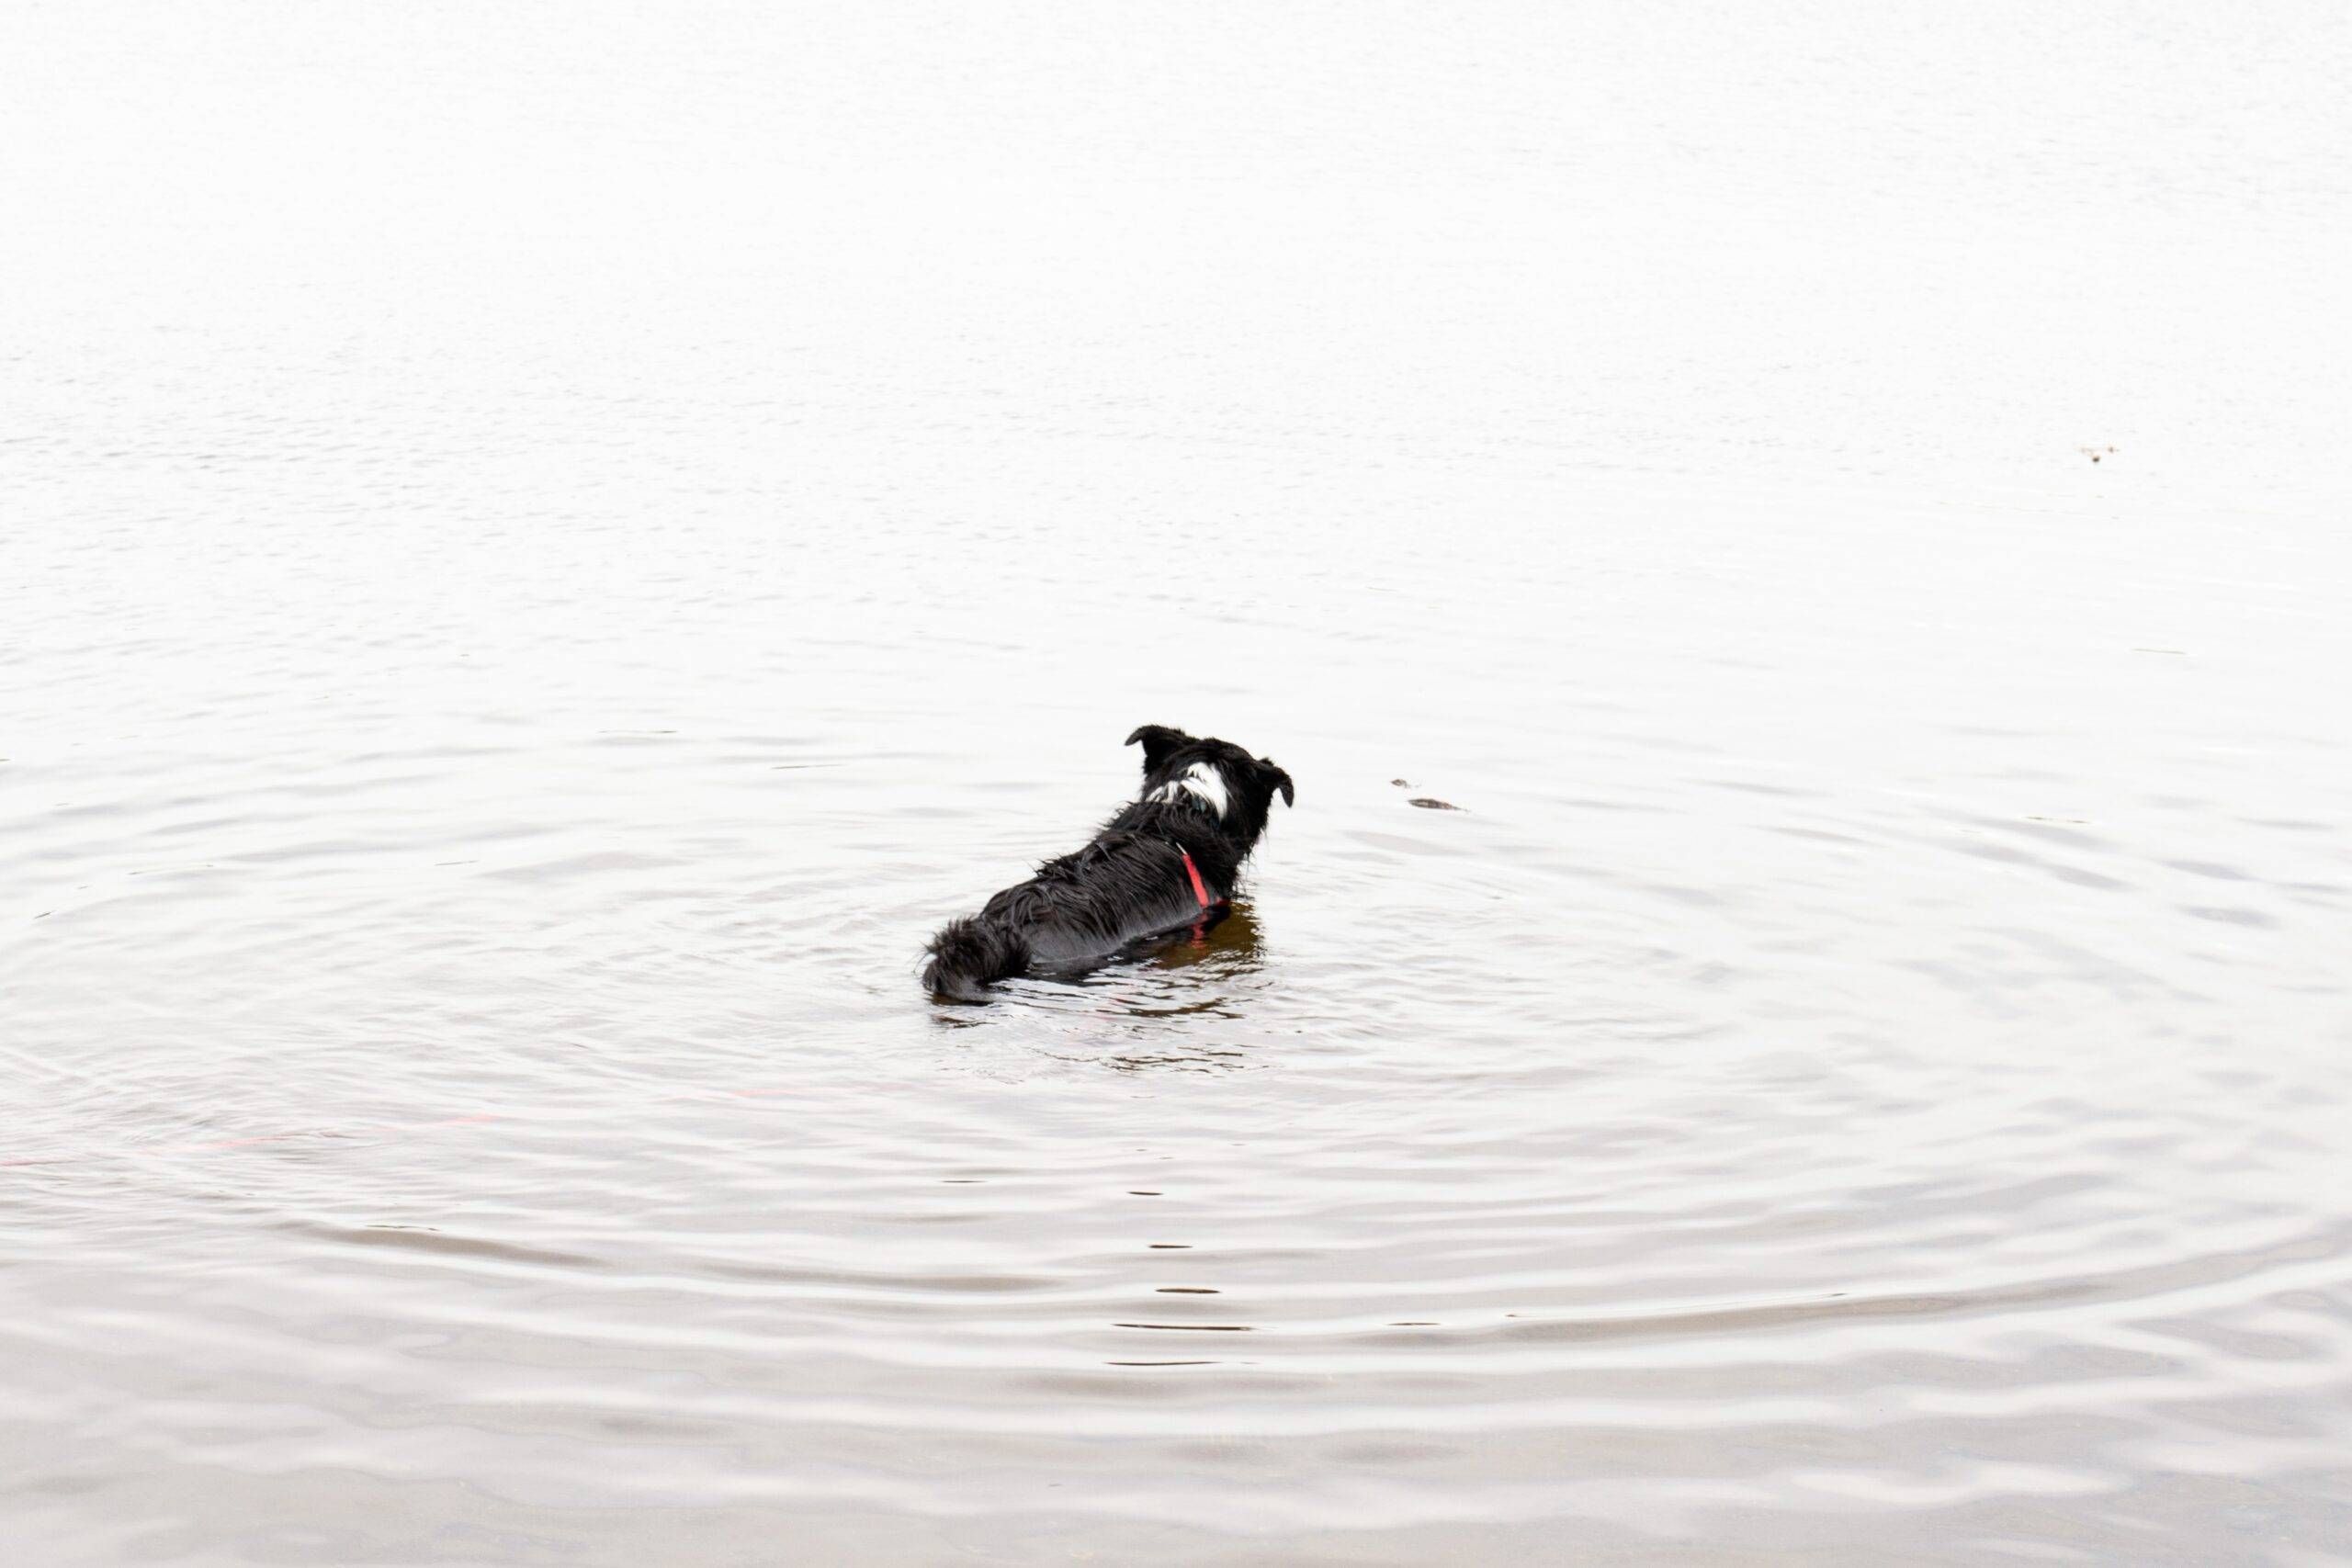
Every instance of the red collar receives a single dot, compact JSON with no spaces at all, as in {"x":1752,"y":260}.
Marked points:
{"x":1199,"y":889}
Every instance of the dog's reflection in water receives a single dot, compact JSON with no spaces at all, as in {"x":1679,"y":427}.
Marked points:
{"x":1223,"y":944}
{"x":1176,"y":972}
{"x":1155,"y":1008}
{"x":1206,"y":969}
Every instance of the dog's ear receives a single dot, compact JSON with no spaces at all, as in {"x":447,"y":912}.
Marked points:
{"x":1158,"y":740}
{"x":1276,"y":779}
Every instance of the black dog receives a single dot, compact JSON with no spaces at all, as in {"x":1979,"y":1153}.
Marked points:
{"x":1164,"y":862}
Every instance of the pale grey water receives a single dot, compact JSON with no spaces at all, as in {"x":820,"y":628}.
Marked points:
{"x":546,"y":548}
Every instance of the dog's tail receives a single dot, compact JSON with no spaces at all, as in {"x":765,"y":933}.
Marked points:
{"x":967,"y":955}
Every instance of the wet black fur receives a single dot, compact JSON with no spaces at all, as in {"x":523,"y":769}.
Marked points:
{"x":1129,"y":883}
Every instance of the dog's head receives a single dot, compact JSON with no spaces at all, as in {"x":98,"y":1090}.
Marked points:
{"x":1213,"y":776}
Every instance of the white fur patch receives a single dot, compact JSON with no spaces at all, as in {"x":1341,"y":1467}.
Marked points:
{"x":1203,"y":780}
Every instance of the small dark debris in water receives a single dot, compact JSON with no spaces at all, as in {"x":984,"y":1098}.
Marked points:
{"x":1414,"y":1323}
{"x":1141,"y":1193}
{"x":1427,"y":804}
{"x":1402,"y":783}
{"x":2096,"y":452}
{"x":1189,"y":1290}
{"x":1170,"y":1246}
